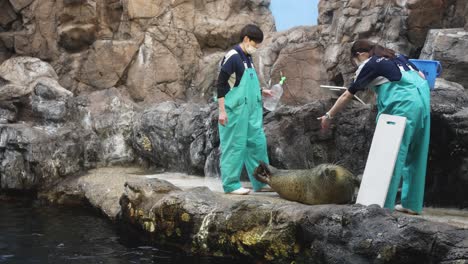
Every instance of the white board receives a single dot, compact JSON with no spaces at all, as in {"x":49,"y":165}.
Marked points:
{"x":381,"y":160}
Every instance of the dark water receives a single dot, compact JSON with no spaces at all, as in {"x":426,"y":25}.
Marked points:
{"x":32,"y":233}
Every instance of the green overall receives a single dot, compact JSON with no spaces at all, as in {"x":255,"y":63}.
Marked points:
{"x":409,"y":97}
{"x":242,"y":139}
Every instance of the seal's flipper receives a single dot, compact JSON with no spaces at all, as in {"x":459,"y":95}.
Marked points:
{"x":262,"y":173}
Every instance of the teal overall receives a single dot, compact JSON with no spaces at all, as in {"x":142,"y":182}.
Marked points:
{"x":409,"y":97}
{"x":243,"y":140}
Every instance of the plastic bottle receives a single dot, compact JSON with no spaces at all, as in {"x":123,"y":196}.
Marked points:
{"x":271,"y":102}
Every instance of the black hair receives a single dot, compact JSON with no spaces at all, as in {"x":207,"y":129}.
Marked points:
{"x":253,"y":32}
{"x":373,"y":49}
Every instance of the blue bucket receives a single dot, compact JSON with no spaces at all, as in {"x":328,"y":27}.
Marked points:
{"x":431,"y":69}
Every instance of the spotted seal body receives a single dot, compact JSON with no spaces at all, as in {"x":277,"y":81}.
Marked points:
{"x":324,"y":184}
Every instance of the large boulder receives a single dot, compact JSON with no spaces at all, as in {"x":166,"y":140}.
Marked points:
{"x":25,"y":70}
{"x":20,"y":76}
{"x":110,"y":114}
{"x":35,"y":82}
{"x":32,"y":158}
{"x":100,"y":187}
{"x":70,"y":137}
{"x":205,"y":19}
{"x":203,"y":87}
{"x":296,"y":140}
{"x":298,"y":55}
{"x":449,"y":47}
{"x":176,"y":137}
{"x":49,"y":100}
{"x":164,"y":65}
{"x":106,"y":63}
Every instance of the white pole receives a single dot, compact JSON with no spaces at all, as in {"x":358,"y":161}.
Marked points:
{"x":340,"y":88}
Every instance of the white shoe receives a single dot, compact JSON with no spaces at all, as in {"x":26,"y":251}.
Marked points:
{"x":400,"y":208}
{"x":240,"y":191}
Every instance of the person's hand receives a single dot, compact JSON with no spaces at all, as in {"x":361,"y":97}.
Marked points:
{"x":422,"y":75}
{"x":222,"y":118}
{"x":267,"y":93}
{"x":325,"y":121}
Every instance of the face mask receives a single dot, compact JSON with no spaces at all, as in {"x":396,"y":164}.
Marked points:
{"x":250,"y":49}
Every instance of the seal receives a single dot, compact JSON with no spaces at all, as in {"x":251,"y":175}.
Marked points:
{"x":323,"y":184}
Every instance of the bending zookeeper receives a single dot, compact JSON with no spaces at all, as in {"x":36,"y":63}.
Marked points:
{"x":240,"y":120}
{"x":403,"y":91}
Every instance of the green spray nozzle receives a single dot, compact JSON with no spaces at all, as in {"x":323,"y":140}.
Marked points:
{"x":283,"y":79}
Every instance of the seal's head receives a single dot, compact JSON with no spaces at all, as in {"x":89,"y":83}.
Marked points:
{"x":336,"y":184}
{"x":331,"y":173}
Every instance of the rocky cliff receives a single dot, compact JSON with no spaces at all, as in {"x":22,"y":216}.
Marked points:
{"x":155,"y":50}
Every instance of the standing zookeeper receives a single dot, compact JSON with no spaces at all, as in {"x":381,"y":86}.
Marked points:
{"x":402,"y":91}
{"x":240,"y":120}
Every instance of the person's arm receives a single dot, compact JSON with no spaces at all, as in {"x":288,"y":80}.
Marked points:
{"x":365,"y":76}
{"x":341,"y":103}
{"x":422,"y":75}
{"x":415,"y":68}
{"x":222,"y":117}
{"x":227,"y":69}
{"x":223,"y":89}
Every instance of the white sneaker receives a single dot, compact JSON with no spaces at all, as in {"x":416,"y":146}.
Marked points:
{"x":400,"y":208}
{"x":240,"y":191}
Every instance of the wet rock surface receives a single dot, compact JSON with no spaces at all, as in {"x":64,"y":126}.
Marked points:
{"x":102,"y":188}
{"x":280,"y":232}
{"x":34,"y":157}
